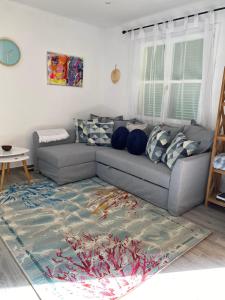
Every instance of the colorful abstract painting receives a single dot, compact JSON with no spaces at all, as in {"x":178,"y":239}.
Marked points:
{"x":65,"y":70}
{"x":89,"y":239}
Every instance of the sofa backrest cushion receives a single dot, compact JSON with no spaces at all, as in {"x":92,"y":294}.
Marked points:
{"x":105,"y":119}
{"x":147,"y":128}
{"x":119,"y":123}
{"x":123,"y":123}
{"x":200,"y":134}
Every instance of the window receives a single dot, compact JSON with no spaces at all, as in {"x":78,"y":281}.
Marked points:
{"x":172,"y":79}
{"x":185,"y":84}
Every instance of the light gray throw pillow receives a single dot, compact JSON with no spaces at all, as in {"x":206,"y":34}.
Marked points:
{"x":200,"y":134}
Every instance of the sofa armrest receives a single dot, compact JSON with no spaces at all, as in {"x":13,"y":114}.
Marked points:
{"x":36,"y":144}
{"x":188,"y":183}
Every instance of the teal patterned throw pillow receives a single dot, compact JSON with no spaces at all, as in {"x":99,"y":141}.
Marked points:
{"x":180,"y":147}
{"x":100,"y":134}
{"x":81,"y":127}
{"x":157,"y":143}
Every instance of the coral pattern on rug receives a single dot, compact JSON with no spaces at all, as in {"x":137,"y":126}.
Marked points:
{"x":112,"y":198}
{"x":89,"y":240}
{"x":103,"y":258}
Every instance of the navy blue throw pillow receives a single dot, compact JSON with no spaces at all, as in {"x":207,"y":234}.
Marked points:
{"x":119,"y":138}
{"x":136,"y":142}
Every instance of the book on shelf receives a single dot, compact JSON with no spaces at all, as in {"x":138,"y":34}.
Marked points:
{"x":221,"y":196}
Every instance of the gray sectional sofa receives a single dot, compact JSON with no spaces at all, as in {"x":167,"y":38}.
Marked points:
{"x":177,"y":191}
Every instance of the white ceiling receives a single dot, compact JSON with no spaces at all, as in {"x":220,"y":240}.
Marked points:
{"x":98,"y":13}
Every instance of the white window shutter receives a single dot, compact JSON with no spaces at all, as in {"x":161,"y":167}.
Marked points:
{"x":186,"y":80}
{"x":153,"y":80}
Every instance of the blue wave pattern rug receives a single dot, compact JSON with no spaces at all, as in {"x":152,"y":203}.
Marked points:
{"x":89,"y":240}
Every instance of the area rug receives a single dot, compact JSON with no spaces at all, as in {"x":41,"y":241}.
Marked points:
{"x":89,"y":240}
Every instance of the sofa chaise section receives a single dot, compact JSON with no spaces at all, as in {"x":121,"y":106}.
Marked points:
{"x":67,"y":163}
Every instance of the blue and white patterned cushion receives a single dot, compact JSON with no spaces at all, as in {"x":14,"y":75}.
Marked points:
{"x":219,"y":161}
{"x":179,"y":148}
{"x":81,"y":127}
{"x":100,"y":134}
{"x":157,"y":143}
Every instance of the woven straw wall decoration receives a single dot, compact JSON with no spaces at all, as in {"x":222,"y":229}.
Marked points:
{"x":115,"y":75}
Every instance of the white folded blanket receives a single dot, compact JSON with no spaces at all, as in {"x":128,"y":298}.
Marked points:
{"x":52,"y":135}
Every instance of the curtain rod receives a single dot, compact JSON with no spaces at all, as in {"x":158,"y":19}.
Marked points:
{"x":176,"y":19}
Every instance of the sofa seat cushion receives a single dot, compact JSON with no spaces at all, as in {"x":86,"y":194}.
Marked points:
{"x":139,"y":166}
{"x":67,"y":154}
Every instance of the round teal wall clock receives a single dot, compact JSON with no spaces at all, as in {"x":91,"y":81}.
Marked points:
{"x":9,"y":52}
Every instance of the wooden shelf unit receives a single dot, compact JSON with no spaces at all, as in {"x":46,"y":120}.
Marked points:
{"x":215,"y":175}
{"x":222,"y":172}
{"x":212,"y":199}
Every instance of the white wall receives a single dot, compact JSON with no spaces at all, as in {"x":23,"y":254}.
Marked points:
{"x":117,"y":51}
{"x":116,"y":96}
{"x":26,"y":101}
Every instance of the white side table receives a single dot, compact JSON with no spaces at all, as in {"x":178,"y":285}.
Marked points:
{"x":16,"y":154}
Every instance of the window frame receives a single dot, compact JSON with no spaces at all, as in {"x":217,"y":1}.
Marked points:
{"x":168,"y":69}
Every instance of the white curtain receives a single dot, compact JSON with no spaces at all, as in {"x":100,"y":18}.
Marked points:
{"x":151,"y":82}
{"x":143,"y":65}
{"x":212,"y":31}
{"x":160,"y":71}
